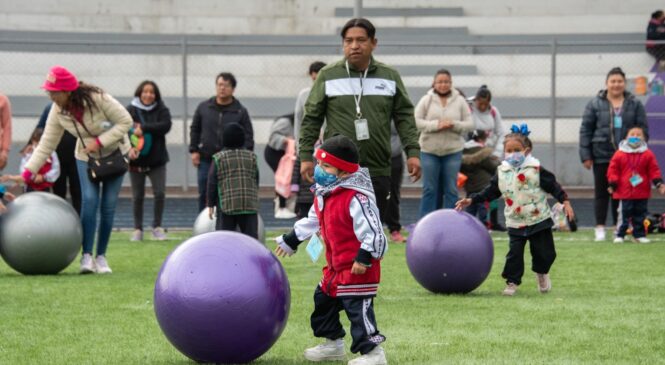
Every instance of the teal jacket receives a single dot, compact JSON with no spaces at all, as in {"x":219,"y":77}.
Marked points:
{"x":384,"y":100}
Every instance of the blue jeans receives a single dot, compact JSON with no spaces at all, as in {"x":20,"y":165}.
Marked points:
{"x":439,"y":181}
{"x":90,"y":204}
{"x":478,"y":210}
{"x":202,"y":180}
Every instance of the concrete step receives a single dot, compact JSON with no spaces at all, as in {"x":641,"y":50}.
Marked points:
{"x":401,"y":12}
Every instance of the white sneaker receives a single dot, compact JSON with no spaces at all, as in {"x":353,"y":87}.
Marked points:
{"x":600,"y":234}
{"x":137,"y":236}
{"x":643,"y":240}
{"x":375,"y":357}
{"x":618,"y":240}
{"x":276,"y":205}
{"x":283,"y":213}
{"x":544,"y":283}
{"x":331,"y":350}
{"x":87,"y":265}
{"x":102,"y":265}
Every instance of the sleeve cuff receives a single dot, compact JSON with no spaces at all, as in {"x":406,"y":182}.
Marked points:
{"x":27,"y":175}
{"x":657,"y":181}
{"x":280,"y":242}
{"x":364,"y":258}
{"x":613,"y":185}
{"x":99,"y":143}
{"x":413,"y":152}
{"x":291,"y":239}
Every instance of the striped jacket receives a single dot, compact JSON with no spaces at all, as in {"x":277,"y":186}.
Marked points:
{"x":235,"y":175}
{"x":347,"y":218}
{"x":384,"y":100}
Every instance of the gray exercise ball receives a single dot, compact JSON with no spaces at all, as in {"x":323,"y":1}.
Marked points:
{"x":40,"y":234}
{"x":203,"y":224}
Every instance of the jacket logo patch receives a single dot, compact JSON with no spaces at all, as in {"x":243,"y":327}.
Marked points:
{"x":381,"y":86}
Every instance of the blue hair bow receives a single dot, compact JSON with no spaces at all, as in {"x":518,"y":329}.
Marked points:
{"x":523,"y":129}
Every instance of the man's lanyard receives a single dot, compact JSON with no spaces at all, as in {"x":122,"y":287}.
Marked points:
{"x":357,"y":98}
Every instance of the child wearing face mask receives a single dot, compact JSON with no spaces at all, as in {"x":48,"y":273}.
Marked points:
{"x":524,"y":184}
{"x":346,"y":217}
{"x":632,"y":168}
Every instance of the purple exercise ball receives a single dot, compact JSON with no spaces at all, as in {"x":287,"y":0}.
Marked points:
{"x":222,"y":297}
{"x":449,"y":252}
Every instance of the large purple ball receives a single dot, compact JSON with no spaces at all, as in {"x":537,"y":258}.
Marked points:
{"x":449,"y":252}
{"x":222,"y":297}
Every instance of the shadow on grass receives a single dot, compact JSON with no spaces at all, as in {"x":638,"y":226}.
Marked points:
{"x":258,"y":361}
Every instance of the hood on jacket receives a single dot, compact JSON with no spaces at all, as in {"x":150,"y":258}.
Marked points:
{"x":529,"y":161}
{"x":136,"y":102}
{"x":359,"y":181}
{"x":478,"y":156}
{"x":454,"y":94}
{"x":625,"y":147}
{"x":626,"y":94}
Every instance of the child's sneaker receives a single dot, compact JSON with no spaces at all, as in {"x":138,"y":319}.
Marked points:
{"x":510,"y":289}
{"x":618,"y":240}
{"x":87,"y":265}
{"x":102,"y":265}
{"x":331,"y":350}
{"x":643,"y":240}
{"x":544,"y":283}
{"x":396,"y":236}
{"x":158,"y":234}
{"x":600,"y":234}
{"x":375,"y":357}
{"x":137,"y":235}
{"x":283,"y":213}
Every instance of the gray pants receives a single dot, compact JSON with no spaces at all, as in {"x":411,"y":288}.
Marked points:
{"x":157,"y":176}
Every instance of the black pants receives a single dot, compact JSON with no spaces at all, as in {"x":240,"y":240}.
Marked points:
{"x":248,"y":223}
{"x":658,"y":51}
{"x":602,"y":197}
{"x":381,"y":185}
{"x":272,"y":157}
{"x":157,"y":176}
{"x":360,"y":311}
{"x":69,"y":174}
{"x":541,"y":244}
{"x":392,"y":212}
{"x":634,"y":211}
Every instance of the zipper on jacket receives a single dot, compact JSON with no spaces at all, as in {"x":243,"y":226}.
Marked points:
{"x":220,"y":131}
{"x":331,"y":281}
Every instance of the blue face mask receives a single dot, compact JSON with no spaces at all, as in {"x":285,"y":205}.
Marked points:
{"x":323,"y":178}
{"x":634,"y":141}
{"x":515,"y":159}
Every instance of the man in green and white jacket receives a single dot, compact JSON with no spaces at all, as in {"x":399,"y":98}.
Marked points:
{"x":359,"y":97}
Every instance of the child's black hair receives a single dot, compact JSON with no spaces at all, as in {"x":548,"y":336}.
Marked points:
{"x":478,"y":135}
{"x":644,"y":132}
{"x":524,"y":140}
{"x":36,"y":135}
{"x":484,"y":93}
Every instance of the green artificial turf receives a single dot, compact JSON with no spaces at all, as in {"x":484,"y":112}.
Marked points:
{"x":607,"y":306}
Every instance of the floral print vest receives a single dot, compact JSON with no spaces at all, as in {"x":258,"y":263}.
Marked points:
{"x":526,"y":202}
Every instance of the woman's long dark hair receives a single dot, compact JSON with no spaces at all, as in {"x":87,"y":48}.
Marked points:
{"x":139,"y":90}
{"x":82,"y":97}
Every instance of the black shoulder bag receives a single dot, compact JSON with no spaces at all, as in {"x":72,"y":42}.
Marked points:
{"x":105,"y":167}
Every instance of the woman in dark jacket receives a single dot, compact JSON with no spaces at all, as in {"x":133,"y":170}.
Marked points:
{"x":607,"y":118}
{"x":152,"y":121}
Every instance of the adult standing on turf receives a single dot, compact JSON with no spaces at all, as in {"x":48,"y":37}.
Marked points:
{"x":443,"y":118}
{"x":205,"y":134}
{"x":152,"y":121}
{"x":607,"y":118}
{"x":358,"y":97}
{"x":102,"y":124}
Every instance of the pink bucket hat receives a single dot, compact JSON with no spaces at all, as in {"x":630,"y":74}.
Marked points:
{"x":60,"y":79}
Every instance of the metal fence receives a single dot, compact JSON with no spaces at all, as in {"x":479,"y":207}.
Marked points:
{"x":545,"y":84}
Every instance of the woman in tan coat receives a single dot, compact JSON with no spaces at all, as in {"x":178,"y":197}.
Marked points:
{"x":443,"y":118}
{"x":103,"y":125}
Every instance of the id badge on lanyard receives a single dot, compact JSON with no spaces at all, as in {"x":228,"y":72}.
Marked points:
{"x":361,"y":125}
{"x":314,"y":247}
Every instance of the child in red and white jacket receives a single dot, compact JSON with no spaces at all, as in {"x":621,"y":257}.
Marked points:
{"x":346,"y":216}
{"x":632,"y":170}
{"x":48,"y":173}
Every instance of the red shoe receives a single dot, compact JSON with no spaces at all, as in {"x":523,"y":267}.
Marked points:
{"x":396,"y":236}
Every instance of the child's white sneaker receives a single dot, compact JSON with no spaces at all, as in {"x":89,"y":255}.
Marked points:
{"x":510,"y":289}
{"x":618,"y":240}
{"x":375,"y":357}
{"x":600,"y":234}
{"x":643,"y":240}
{"x":87,"y":265}
{"x":331,"y":350}
{"x":102,"y":265}
{"x":283,"y":213}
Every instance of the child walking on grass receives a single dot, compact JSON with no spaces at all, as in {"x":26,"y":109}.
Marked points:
{"x":632,"y":170}
{"x":524,"y":184}
{"x":346,"y":216}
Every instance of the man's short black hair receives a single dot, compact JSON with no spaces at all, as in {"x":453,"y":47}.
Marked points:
{"x":361,"y":23}
{"x":656,"y":14}
{"x":316,"y":66}
{"x":227,"y":76}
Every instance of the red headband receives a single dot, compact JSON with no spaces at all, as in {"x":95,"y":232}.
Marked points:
{"x":336,"y":162}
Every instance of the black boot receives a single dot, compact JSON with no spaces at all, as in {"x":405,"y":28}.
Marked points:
{"x":494,"y":221}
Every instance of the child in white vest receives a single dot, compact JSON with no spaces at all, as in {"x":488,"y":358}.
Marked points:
{"x":524,"y":184}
